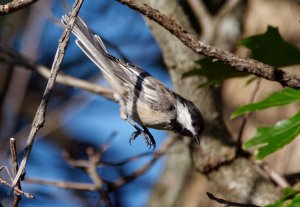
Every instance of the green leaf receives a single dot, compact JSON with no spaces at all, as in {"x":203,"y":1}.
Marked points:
{"x":271,"y":48}
{"x":214,"y":71}
{"x":271,"y":139}
{"x":287,"y":192}
{"x":291,"y":200}
{"x":283,"y":97}
{"x":295,"y":202}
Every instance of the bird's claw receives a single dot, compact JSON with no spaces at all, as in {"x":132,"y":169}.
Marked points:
{"x":150,"y":141}
{"x":133,"y":136}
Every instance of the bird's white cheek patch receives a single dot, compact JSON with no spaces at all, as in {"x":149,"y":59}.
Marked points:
{"x":184,"y":117}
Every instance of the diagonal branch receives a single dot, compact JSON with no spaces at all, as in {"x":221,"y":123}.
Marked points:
{"x":16,"y":189}
{"x":12,"y":57}
{"x":15,"y":5}
{"x":128,"y":178}
{"x":39,"y":118}
{"x":241,"y":64}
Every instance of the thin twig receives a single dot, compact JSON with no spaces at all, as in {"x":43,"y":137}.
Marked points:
{"x":7,"y":171}
{"x":226,"y":8}
{"x":78,"y":83}
{"x":39,"y":118}
{"x":276,"y":178}
{"x":246,"y":117}
{"x":14,"y":160}
{"x":13,"y":151}
{"x":107,"y":143}
{"x":133,"y":158}
{"x":229,"y":203}
{"x":94,"y":158}
{"x":125,"y":161}
{"x":19,"y":191}
{"x":80,"y":163}
{"x":15,"y":5}
{"x":204,"y":18}
{"x":64,"y":184}
{"x":128,"y":178}
{"x":90,"y":166}
{"x":12,"y":57}
{"x":241,"y":64}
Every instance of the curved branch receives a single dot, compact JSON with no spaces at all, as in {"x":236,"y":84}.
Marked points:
{"x":241,"y":64}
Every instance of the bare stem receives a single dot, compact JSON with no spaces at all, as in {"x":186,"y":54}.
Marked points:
{"x":14,"y":160}
{"x":15,"y":5}
{"x":241,"y":64}
{"x":63,"y":184}
{"x":12,"y":57}
{"x":39,"y":118}
{"x":16,"y":189}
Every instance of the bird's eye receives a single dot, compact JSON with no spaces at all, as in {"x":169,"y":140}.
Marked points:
{"x":194,"y":123}
{"x":171,"y":108}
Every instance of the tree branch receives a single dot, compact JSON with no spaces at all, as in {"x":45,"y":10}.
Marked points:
{"x":12,"y":57}
{"x":39,"y":118}
{"x":236,"y":177}
{"x":14,"y":160}
{"x":99,"y":184}
{"x":15,"y":6}
{"x":64,"y":184}
{"x":241,"y":64}
{"x":156,"y":156}
{"x":16,"y":189}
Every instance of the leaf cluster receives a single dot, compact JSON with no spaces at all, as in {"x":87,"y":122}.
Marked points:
{"x":291,"y":198}
{"x":271,"y":49}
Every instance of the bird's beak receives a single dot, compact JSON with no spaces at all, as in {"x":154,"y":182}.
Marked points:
{"x":197,"y":139}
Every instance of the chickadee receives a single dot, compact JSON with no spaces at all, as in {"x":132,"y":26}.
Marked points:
{"x":142,"y":98}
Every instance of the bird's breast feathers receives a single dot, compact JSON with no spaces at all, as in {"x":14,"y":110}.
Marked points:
{"x":150,"y":117}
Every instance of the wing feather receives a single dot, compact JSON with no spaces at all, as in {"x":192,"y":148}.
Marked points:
{"x":146,"y":87}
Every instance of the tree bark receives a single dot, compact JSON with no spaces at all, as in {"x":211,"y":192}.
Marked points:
{"x":215,"y":165}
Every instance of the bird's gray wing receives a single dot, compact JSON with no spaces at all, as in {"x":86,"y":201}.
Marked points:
{"x":118,"y":72}
{"x":146,"y":88}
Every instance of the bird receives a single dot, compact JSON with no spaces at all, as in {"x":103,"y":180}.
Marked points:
{"x":143,"y":99}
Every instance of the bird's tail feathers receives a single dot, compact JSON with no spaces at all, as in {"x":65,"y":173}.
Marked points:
{"x":90,"y":43}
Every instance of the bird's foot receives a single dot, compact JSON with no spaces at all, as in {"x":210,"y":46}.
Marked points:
{"x":150,"y":141}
